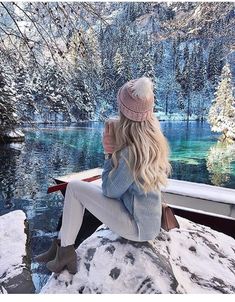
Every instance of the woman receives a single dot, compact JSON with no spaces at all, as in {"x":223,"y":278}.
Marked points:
{"x":136,"y":166}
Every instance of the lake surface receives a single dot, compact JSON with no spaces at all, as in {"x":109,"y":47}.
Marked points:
{"x":26,"y":170}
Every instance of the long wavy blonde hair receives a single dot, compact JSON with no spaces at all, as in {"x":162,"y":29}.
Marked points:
{"x":148,"y":151}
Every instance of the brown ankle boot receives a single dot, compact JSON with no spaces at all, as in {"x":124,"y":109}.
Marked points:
{"x":50,"y":254}
{"x":66,"y":258}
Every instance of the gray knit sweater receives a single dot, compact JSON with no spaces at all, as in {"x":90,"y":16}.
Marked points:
{"x":146,"y":209}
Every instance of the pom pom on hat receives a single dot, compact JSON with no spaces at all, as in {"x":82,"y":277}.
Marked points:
{"x":142,"y":88}
{"x":136,"y":99}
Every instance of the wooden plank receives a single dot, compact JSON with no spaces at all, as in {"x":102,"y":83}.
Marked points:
{"x":209,"y":206}
{"x":174,"y":187}
{"x":200,"y":191}
{"x":62,"y":185}
{"x":79,"y":175}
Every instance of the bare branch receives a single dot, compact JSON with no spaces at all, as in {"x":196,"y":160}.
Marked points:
{"x":35,"y":25}
{"x":25,"y":39}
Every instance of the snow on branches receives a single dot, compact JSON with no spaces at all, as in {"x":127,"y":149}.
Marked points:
{"x":222,"y":112}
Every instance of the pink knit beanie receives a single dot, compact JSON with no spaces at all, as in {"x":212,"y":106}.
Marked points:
{"x":136,"y":99}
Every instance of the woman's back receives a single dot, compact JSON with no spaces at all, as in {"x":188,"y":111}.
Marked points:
{"x":144,"y":207}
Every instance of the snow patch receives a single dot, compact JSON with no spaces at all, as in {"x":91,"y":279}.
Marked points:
{"x":15,"y":133}
{"x":12,"y":244}
{"x":174,"y":116}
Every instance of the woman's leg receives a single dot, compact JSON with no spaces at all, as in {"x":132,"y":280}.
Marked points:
{"x":80,"y":195}
{"x":89,"y":224}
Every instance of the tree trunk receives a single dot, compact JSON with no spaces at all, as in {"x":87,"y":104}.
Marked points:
{"x":188,"y":108}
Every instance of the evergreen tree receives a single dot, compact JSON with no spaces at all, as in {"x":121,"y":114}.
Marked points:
{"x":37,"y":93}
{"x":146,"y":63}
{"x":158,"y":55}
{"x":24,"y":94}
{"x":219,"y":163}
{"x":82,"y":107}
{"x":177,"y":67}
{"x":200,"y":69}
{"x":202,"y":88}
{"x":55,"y":95}
{"x":215,"y":62}
{"x":185,"y":80}
{"x":9,"y":119}
{"x":222,"y":111}
{"x":179,"y":79}
{"x":175,"y":51}
{"x":119,"y":66}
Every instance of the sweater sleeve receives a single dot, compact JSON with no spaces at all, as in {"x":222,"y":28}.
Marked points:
{"x":116,"y":185}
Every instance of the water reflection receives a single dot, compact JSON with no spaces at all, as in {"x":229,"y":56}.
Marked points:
{"x":220,"y":163}
{"x":27,"y":171}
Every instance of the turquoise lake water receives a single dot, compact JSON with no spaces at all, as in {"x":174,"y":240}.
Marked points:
{"x":26,"y":170}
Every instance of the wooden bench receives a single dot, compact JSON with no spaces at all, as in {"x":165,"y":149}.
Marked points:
{"x":205,"y":204}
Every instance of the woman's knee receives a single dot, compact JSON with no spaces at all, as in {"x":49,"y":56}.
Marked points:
{"x":79,"y":188}
{"x":73,"y":187}
{"x":74,"y":183}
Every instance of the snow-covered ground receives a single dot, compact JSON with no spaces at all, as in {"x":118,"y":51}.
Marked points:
{"x":12,"y":244}
{"x":14,"y":275}
{"x":174,"y":116}
{"x":192,"y":259}
{"x":17,"y":133}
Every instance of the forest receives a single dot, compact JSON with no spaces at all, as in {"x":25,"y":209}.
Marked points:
{"x":63,"y":62}
{"x":61,"y":66}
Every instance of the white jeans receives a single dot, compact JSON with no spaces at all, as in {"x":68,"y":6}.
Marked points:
{"x":80,"y":195}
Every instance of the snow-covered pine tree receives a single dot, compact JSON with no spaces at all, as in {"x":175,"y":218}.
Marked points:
{"x":81,"y":101}
{"x":219,"y":163}
{"x":222,"y":111}
{"x":9,"y":120}
{"x":7,"y":106}
{"x":35,"y":83}
{"x":84,"y":83}
{"x":200,"y":71}
{"x":147,"y":59}
{"x":215,"y":62}
{"x":184,"y":79}
{"x":119,"y":65}
{"x":55,"y":96}
{"x":201,"y":83}
{"x":158,"y":54}
{"x":24,"y":94}
{"x":178,"y":77}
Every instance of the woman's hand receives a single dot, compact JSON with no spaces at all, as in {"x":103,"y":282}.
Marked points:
{"x":109,"y":141}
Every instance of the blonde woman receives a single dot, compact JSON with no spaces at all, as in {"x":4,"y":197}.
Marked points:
{"x":136,"y":167}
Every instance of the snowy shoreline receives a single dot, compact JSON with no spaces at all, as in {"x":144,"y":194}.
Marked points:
{"x":162,"y":117}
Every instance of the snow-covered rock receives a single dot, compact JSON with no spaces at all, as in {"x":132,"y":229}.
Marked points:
{"x":15,"y":276}
{"x":15,"y":135}
{"x":192,"y":259}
